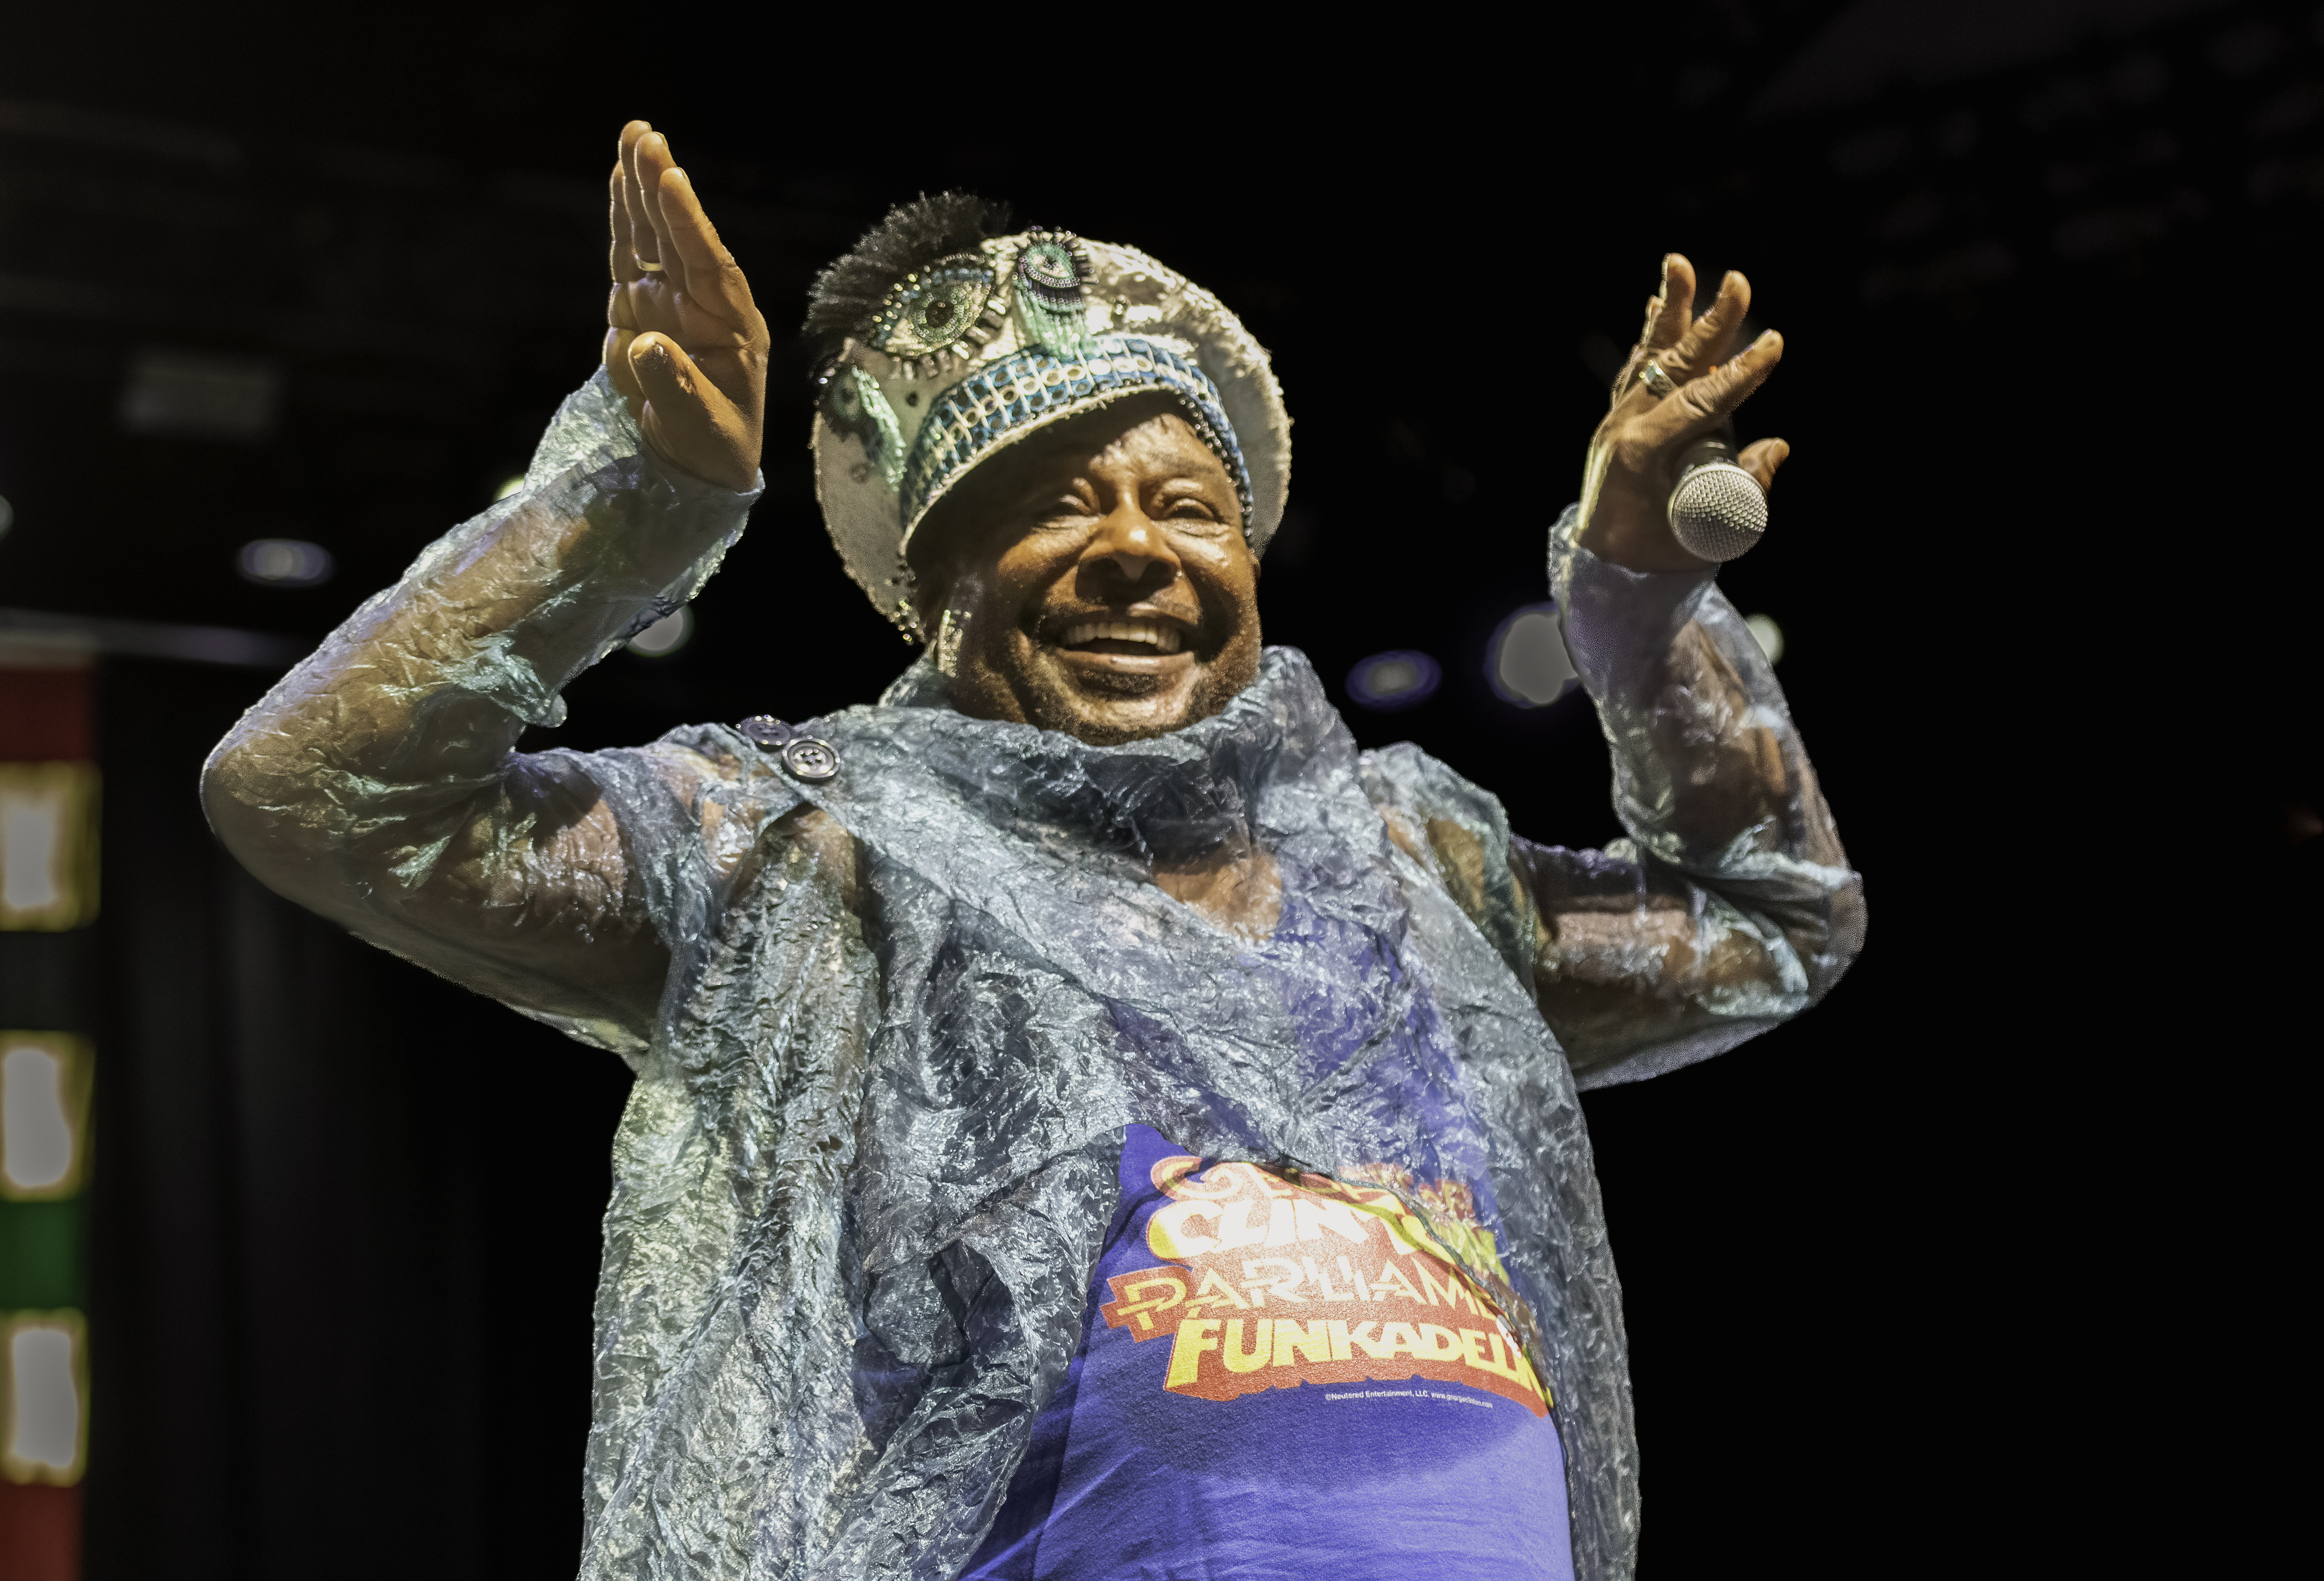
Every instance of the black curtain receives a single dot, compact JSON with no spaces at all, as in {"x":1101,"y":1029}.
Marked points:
{"x":344,"y":1227}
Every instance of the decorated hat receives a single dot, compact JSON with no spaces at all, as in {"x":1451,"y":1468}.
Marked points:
{"x":944,"y":344}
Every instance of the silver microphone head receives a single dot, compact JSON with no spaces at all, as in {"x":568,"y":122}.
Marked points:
{"x":1717,"y":509}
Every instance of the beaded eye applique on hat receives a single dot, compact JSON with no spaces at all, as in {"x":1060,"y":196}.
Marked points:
{"x":933,"y":315}
{"x":1051,"y":273}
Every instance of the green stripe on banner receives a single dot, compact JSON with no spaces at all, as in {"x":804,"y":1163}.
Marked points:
{"x":40,"y":1254}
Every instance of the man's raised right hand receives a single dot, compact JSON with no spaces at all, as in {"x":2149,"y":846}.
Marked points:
{"x":685,"y":345}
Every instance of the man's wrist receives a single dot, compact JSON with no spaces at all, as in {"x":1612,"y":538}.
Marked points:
{"x":1619,"y":622}
{"x":692,"y":488}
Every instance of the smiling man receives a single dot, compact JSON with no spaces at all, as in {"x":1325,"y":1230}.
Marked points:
{"x":1090,"y":1120}
{"x":1094,"y":578}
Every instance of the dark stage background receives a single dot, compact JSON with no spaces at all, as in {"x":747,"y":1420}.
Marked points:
{"x":2042,"y":556}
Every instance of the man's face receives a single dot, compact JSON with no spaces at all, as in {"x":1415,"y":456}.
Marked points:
{"x":1094,"y":579}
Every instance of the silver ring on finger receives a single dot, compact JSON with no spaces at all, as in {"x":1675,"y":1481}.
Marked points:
{"x":1659,"y":384}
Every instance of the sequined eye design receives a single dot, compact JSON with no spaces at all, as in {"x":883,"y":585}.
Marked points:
{"x":1050,"y":274}
{"x":843,"y":405}
{"x":1049,"y":270}
{"x":938,"y":309}
{"x":941,"y":312}
{"x":855,"y":408}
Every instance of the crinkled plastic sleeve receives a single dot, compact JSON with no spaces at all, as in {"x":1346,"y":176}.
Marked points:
{"x":377,"y":781}
{"x":1731,"y":905}
{"x":591,"y":463}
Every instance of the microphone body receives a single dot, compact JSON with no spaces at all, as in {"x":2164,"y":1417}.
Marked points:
{"x":1717,"y":509}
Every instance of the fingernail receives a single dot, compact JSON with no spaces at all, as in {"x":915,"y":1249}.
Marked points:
{"x":1767,"y":338}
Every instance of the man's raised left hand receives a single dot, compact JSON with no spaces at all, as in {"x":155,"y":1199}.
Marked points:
{"x":1625,"y":486}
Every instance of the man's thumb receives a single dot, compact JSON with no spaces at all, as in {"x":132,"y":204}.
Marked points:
{"x":666,"y":373}
{"x":1762,"y":457}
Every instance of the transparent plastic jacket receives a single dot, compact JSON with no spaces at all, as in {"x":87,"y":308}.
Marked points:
{"x":869,"y":1160}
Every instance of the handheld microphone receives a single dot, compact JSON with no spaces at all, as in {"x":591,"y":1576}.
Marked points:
{"x":1717,"y":509}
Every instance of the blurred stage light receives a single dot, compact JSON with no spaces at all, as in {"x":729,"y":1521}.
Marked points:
{"x":1770,"y":635}
{"x":43,"y":1107}
{"x":36,"y":1139}
{"x":664,"y":636}
{"x":48,"y":1380}
{"x":1527,"y":662}
{"x":32,"y":842}
{"x":197,"y":395}
{"x":284,"y":562}
{"x":1386,"y":682}
{"x":510,"y":487}
{"x":48,"y":846}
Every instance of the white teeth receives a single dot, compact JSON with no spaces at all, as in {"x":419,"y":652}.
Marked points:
{"x":1162,"y":638}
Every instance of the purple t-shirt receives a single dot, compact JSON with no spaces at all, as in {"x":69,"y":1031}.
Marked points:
{"x":1293,"y":1378}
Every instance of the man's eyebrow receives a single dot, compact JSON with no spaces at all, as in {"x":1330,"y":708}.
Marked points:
{"x":1041,"y":484}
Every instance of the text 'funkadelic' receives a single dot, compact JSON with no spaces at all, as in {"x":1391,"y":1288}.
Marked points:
{"x":1275,"y":1282}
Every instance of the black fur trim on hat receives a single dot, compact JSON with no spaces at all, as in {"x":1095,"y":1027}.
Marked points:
{"x":846,"y":295}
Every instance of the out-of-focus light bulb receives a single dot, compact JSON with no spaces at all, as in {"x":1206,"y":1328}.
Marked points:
{"x":284,"y":562}
{"x":32,"y":849}
{"x":36,"y":1132}
{"x":1527,"y":662}
{"x":1386,"y":682}
{"x":48,"y":830}
{"x":510,"y":487}
{"x":45,"y":1414}
{"x":664,"y":636}
{"x":1770,"y":635}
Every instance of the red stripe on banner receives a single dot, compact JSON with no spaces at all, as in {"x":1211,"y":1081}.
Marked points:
{"x":45,"y":716}
{"x":40,"y":1532}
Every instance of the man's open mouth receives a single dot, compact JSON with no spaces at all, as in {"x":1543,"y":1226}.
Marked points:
{"x":1143,"y":638}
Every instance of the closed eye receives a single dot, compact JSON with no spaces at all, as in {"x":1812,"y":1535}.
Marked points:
{"x":1063,"y":510}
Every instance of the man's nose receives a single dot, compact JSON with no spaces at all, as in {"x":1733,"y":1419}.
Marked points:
{"x":1130,"y":544}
